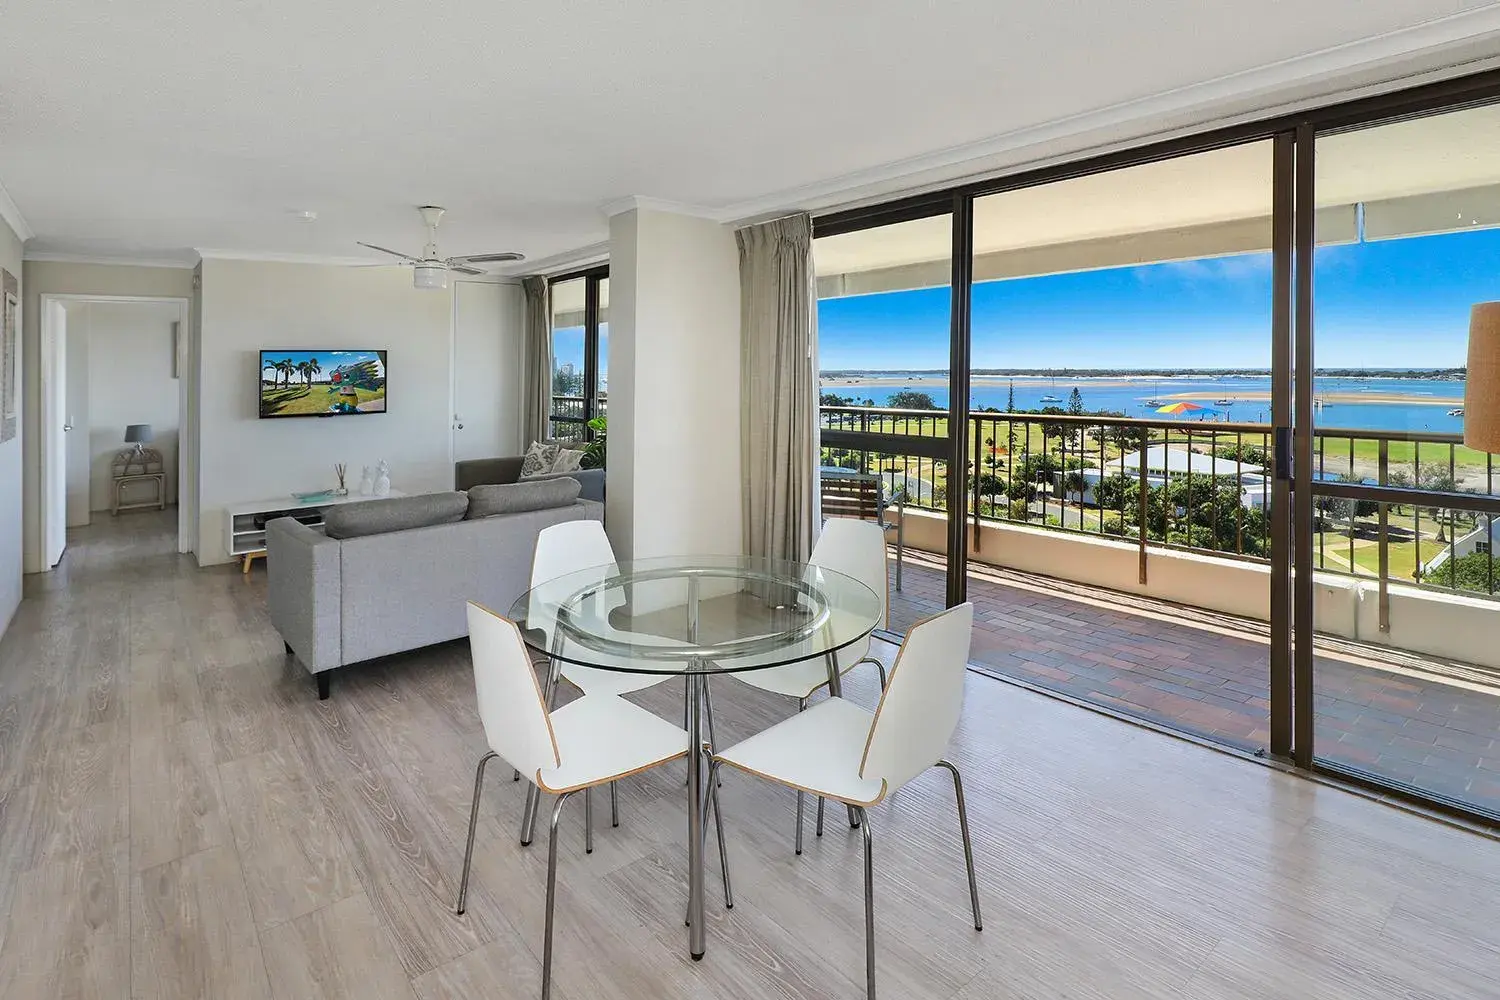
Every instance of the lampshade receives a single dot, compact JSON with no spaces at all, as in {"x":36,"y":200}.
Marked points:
{"x":1482,"y":391}
{"x":137,"y":433}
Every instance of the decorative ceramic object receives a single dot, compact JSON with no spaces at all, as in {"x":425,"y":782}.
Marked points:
{"x":382,"y":479}
{"x":366,"y":483}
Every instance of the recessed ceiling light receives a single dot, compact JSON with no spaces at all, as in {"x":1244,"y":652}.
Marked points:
{"x":305,"y":215}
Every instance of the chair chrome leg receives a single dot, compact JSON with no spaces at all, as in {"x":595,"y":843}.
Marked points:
{"x":879,"y":665}
{"x":869,"y":906}
{"x":515,"y":775}
{"x":551,"y":896}
{"x":713,"y":785}
{"x":463,"y":882}
{"x":528,"y":818}
{"x":820,"y":818}
{"x":963,"y":823}
{"x":801,"y":707}
{"x":614,"y":803}
{"x":588,"y":821}
{"x":533,"y":794}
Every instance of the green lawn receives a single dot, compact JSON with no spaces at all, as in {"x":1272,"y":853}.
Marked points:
{"x":301,"y":399}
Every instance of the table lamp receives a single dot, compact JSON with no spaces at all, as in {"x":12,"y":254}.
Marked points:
{"x":138,"y":434}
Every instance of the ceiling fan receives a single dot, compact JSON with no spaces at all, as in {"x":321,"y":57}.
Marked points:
{"x":430,"y":270}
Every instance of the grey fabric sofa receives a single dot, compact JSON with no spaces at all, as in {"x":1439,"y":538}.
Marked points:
{"x":482,"y":471}
{"x":340,"y":601}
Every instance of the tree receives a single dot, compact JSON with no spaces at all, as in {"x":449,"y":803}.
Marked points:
{"x":1475,"y":571}
{"x":1246,"y":453}
{"x":313,"y":368}
{"x":567,"y":381}
{"x":1117,"y":492}
{"x":286,"y":368}
{"x":1010,"y":398}
{"x":834,"y":399}
{"x":1075,"y":402}
{"x":304,"y":374}
{"x":911,"y":399}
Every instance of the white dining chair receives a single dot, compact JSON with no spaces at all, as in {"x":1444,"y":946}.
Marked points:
{"x":561,"y":550}
{"x":838,"y":750}
{"x":589,"y":742}
{"x":856,"y":549}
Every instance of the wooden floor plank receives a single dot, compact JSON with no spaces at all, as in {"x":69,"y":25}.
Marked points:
{"x":340,"y":952}
{"x":68,"y":936}
{"x":192,"y":934}
{"x":293,"y":857}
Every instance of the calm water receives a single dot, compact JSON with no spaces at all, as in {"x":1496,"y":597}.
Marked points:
{"x":1248,"y":398}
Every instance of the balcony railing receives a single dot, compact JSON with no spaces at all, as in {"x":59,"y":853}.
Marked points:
{"x":1198,"y":486}
{"x":569,"y":417}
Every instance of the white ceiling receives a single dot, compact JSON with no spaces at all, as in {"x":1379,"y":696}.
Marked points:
{"x":150,"y":126}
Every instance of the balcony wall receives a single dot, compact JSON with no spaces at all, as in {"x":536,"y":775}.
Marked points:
{"x":1444,"y":625}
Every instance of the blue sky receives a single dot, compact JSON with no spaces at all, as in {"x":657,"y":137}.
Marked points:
{"x":1393,"y":303}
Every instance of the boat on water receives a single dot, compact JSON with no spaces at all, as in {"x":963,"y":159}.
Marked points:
{"x":1052,"y":399}
{"x":1223,"y":402}
{"x":1457,"y":411}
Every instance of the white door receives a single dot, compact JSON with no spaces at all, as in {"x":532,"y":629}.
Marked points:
{"x":486,"y":370}
{"x":54,"y":433}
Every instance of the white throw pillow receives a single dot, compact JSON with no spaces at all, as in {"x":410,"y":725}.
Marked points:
{"x":568,"y":460}
{"x":538,"y":460}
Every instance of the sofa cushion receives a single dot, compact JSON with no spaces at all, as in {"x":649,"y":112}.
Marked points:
{"x":376,"y":517}
{"x":568,"y":460}
{"x":512,"y":498}
{"x":538,"y":458}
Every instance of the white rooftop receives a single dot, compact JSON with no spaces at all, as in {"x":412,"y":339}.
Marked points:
{"x":1160,"y":458}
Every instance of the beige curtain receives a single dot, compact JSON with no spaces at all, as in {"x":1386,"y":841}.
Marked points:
{"x":536,"y":380}
{"x":779,"y":387}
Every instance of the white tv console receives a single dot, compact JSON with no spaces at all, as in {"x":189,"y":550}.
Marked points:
{"x":245,"y":523}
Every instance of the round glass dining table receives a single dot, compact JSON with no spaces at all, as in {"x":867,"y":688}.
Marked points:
{"x":695,"y":616}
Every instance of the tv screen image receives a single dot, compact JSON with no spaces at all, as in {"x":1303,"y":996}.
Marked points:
{"x":333,"y":383}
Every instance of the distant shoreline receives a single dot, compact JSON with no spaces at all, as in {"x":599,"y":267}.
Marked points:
{"x":930,"y":376}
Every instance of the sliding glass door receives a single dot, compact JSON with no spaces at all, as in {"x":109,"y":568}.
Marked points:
{"x":1121,"y":439}
{"x":884,"y":341}
{"x":1399,"y":652}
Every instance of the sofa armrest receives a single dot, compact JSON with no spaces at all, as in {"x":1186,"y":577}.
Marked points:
{"x":485,"y":471}
{"x":304,"y":584}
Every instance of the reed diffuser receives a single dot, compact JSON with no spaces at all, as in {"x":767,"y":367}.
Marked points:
{"x":339,"y":469}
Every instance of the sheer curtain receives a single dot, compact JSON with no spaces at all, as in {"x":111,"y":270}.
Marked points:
{"x":779,"y":387}
{"x":536,"y":381}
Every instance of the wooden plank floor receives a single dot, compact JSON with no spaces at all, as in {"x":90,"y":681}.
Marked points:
{"x":180,"y":817}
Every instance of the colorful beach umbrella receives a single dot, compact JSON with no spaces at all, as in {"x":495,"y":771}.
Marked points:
{"x":1180,"y":407}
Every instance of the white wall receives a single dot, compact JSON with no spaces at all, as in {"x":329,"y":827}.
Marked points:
{"x":674,"y":385}
{"x":249,"y":305}
{"x":53,"y":277}
{"x":11,"y":452}
{"x":119,"y":372}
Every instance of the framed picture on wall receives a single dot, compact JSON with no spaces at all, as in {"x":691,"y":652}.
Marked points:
{"x":10,"y":367}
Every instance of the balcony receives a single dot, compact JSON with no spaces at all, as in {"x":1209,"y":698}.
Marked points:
{"x":1124,"y":563}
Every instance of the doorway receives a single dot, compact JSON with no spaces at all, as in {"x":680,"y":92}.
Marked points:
{"x":114,"y":378}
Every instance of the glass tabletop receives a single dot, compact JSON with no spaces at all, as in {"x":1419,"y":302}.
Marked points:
{"x":696,"y":614}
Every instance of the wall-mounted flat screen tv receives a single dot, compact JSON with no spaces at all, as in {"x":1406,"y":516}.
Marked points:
{"x":332,"y":383}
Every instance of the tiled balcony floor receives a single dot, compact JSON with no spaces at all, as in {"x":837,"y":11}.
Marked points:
{"x":1424,"y":722}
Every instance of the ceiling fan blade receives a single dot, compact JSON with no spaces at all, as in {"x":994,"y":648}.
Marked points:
{"x":490,"y":258}
{"x":393,"y":253}
{"x":461,"y":268}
